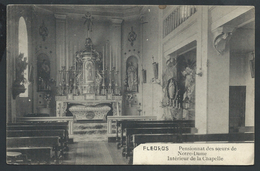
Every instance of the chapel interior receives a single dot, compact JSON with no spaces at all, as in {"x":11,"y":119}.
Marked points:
{"x":83,"y":77}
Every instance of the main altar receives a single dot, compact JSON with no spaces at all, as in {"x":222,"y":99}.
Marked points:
{"x":90,"y":89}
{"x":88,"y":107}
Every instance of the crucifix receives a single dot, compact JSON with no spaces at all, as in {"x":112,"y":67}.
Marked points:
{"x":89,"y":21}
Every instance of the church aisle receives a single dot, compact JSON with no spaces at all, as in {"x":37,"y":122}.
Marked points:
{"x":94,"y":153}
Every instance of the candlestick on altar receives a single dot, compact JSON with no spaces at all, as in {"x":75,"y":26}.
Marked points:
{"x":110,"y":73}
{"x":103,"y":58}
{"x":67,"y":82}
{"x":116,"y":59}
{"x":106,"y":51}
{"x":110,"y":59}
{"x":60,"y":84}
{"x":116,"y":91}
{"x":75,"y":82}
{"x":110,"y":91}
{"x":103,"y":90}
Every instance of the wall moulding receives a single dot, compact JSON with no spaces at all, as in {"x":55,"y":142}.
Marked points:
{"x":60,"y":16}
{"x":117,"y":21}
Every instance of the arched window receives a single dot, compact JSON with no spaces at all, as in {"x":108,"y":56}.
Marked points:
{"x":23,"y":48}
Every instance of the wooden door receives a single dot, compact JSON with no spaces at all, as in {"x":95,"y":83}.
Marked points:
{"x":237,"y":101}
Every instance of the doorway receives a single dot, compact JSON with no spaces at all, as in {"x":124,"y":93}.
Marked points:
{"x":237,"y":101}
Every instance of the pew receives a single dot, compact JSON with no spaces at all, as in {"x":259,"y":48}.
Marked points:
{"x":110,"y":119}
{"x":14,"y":157}
{"x":37,"y":126}
{"x":232,"y":137}
{"x":30,"y":133}
{"x":34,"y":133}
{"x":56,"y":120}
{"x":142,"y":124}
{"x":138,"y":139}
{"x":122,"y":123}
{"x":34,"y":154}
{"x":35,"y":144}
{"x":42,"y":126}
{"x":157,"y":130}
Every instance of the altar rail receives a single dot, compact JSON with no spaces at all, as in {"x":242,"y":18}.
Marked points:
{"x":120,"y":118}
{"x":49,"y":119}
{"x":177,"y":17}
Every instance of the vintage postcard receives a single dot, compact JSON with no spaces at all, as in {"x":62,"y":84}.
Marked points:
{"x":130,"y":84}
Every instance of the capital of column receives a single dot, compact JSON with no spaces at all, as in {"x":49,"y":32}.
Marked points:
{"x":116,"y":21}
{"x":60,"y":16}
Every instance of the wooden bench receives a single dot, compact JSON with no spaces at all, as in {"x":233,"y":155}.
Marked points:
{"x":34,"y":154}
{"x":150,"y":124}
{"x":51,"y":142}
{"x":31,"y":133}
{"x":15,"y":157}
{"x":42,"y":126}
{"x":35,"y":133}
{"x":233,"y":137}
{"x":123,"y":123}
{"x":138,"y":139}
{"x":110,"y":119}
{"x":39,"y":126}
{"x":157,"y":130}
{"x":66,"y":119}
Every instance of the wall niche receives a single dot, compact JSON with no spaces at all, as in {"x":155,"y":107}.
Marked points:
{"x":43,"y":72}
{"x":131,"y":81}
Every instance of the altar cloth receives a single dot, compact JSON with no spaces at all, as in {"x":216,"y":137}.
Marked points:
{"x":81,"y":112}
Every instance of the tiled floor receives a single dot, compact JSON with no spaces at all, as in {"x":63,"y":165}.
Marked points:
{"x":94,"y":153}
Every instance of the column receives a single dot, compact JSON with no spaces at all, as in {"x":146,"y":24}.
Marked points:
{"x":218,"y":80}
{"x":116,"y":26}
{"x":60,"y":43}
{"x":201,"y":81}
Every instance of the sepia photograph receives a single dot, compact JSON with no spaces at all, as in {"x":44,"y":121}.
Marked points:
{"x":130,"y":84}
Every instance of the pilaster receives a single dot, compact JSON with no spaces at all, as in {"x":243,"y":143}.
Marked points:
{"x":116,"y":26}
{"x":60,"y":43}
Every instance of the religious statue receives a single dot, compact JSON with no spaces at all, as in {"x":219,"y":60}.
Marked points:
{"x":88,"y":71}
{"x":88,"y":20}
{"x":98,"y":83}
{"x":71,"y":78}
{"x":18,"y":84}
{"x":88,"y":45}
{"x":189,"y":75}
{"x":169,"y":82}
{"x":43,"y":69}
{"x":131,"y":77}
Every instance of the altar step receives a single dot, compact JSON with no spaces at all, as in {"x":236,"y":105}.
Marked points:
{"x":89,"y":131}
